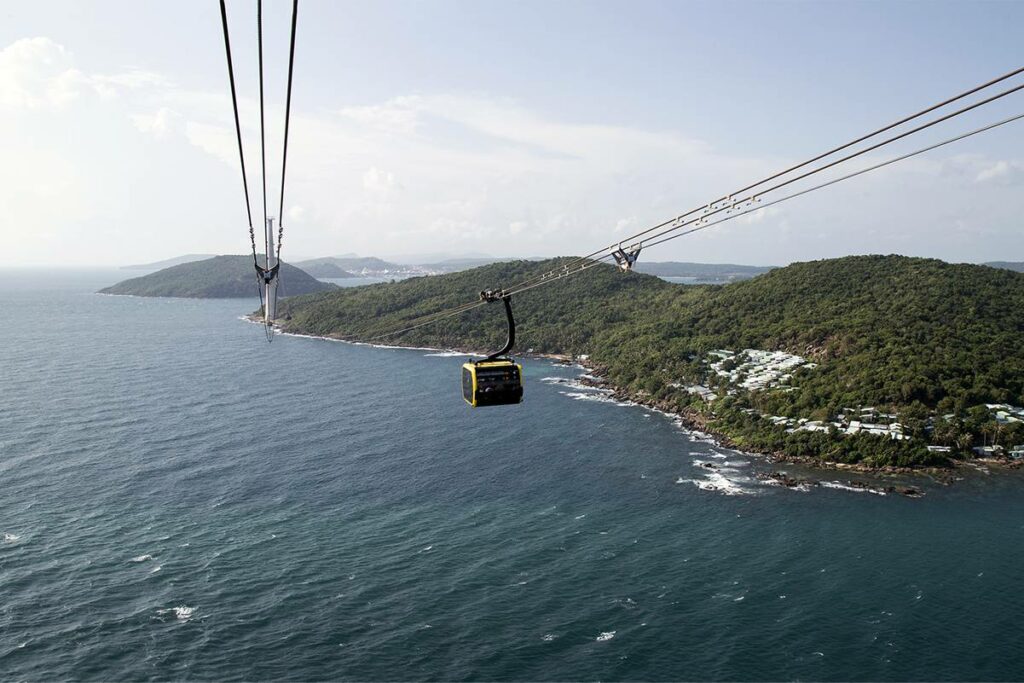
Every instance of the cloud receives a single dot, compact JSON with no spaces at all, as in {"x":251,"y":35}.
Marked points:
{"x":488,"y":172}
{"x":37,"y":73}
{"x":378,"y":181}
{"x":1002,"y":171}
{"x":160,"y":123}
{"x":399,"y":115}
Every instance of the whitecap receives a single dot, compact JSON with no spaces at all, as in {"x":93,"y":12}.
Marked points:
{"x":548,"y":637}
{"x":141,"y":558}
{"x":845,"y":487}
{"x":155,"y":569}
{"x":580,"y":516}
{"x":595,"y":396}
{"x":448,"y":354}
{"x":181,"y":612}
{"x":716,"y":481}
{"x":605,"y":635}
{"x":426,"y":549}
{"x":11,"y":538}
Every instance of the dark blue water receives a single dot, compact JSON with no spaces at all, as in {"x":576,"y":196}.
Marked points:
{"x":181,"y":500}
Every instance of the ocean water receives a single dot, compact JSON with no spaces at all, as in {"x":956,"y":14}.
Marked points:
{"x":181,"y":500}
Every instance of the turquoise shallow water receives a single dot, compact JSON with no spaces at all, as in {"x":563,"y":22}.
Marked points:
{"x":172,"y":509}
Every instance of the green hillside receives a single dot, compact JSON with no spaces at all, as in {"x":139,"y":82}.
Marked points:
{"x":215,"y":278}
{"x":914,"y":338}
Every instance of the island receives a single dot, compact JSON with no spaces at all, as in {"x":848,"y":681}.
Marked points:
{"x":220,"y":277}
{"x":863,"y":361}
{"x":324,"y":268}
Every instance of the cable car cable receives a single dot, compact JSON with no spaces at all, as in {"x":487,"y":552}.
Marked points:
{"x":729,"y":207}
{"x":835,"y":181}
{"x":238,"y":131}
{"x":567,"y":272}
{"x":287,"y":119}
{"x":833,"y":151}
{"x":646,"y":243}
{"x":263,"y":139}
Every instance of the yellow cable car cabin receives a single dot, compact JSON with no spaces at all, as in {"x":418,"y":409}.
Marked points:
{"x":492,"y":382}
{"x":496,"y":380}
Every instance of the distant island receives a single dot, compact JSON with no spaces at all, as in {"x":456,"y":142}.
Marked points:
{"x":220,"y":277}
{"x":866,"y":361}
{"x":703,"y":272}
{"x":1017,"y":266}
{"x":324,"y":268}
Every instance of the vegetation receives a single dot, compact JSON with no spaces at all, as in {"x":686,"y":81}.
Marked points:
{"x":215,"y":278}
{"x":916,"y":337}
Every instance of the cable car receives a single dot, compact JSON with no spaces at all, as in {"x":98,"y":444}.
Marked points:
{"x":496,"y":380}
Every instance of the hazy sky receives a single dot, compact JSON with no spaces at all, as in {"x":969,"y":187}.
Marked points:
{"x":506,"y":128}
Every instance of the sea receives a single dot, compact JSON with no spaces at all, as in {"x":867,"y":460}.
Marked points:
{"x":181,"y":500}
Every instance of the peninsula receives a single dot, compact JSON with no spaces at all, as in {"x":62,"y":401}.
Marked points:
{"x":877,"y":361}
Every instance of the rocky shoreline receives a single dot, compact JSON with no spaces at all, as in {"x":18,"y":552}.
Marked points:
{"x":596,"y":376}
{"x":695,"y":421}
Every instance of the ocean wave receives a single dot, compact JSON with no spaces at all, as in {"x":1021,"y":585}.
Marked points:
{"x":846,"y":487}
{"x":155,"y":569}
{"x":575,"y":384}
{"x":11,"y":538}
{"x":596,"y":397}
{"x":181,"y":612}
{"x":141,"y":558}
{"x":448,"y":354}
{"x":719,"y":478}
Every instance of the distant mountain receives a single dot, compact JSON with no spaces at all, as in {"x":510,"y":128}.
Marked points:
{"x":167,"y":263}
{"x":1008,"y":265}
{"x":705,"y":272}
{"x":324,"y":268}
{"x":220,"y":277}
{"x":454,"y":265}
{"x":360,"y":266}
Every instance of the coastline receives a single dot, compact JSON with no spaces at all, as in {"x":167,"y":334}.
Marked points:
{"x":695,"y":423}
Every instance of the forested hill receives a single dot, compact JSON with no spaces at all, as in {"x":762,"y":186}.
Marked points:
{"x":558,"y":318}
{"x":909,"y":336}
{"x":215,"y":278}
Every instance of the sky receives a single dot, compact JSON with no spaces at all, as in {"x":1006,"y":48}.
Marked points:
{"x":442,"y":128}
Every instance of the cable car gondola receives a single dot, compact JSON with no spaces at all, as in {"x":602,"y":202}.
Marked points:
{"x":496,"y":380}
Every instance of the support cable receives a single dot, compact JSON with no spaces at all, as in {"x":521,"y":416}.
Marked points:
{"x":680,"y":219}
{"x":585,"y":263}
{"x":287,"y":119}
{"x":238,"y":130}
{"x":263,"y":138}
